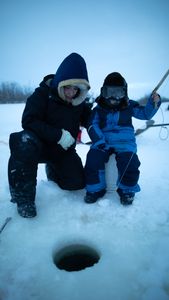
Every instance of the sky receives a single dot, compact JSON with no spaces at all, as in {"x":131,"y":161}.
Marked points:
{"x":132,"y":242}
{"x":127,"y":36}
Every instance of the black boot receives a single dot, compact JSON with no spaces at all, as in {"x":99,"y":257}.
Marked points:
{"x":93,"y":197}
{"x":27,"y":210}
{"x":126,"y":198}
{"x":22,"y":171}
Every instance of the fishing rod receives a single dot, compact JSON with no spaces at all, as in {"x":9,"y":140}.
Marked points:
{"x":161,"y":124}
{"x":160,"y":82}
{"x":150,"y":123}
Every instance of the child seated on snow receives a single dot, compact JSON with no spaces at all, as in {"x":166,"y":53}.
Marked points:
{"x":111,"y":131}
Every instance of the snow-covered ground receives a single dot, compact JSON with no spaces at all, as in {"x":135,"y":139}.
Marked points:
{"x":133,"y":242}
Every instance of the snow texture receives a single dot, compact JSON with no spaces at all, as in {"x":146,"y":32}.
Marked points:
{"x":133,"y":242}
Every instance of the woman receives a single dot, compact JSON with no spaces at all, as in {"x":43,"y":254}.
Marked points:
{"x":50,"y":121}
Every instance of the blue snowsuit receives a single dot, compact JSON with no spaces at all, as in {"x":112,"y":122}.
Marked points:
{"x":112,"y":132}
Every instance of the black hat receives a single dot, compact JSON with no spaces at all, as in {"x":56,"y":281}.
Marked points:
{"x":114,"y":79}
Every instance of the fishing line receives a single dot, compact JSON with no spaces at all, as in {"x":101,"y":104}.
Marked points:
{"x":121,"y":177}
{"x":125,"y":169}
{"x":164,"y":132}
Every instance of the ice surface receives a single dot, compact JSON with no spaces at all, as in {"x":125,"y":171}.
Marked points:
{"x":133,"y":242}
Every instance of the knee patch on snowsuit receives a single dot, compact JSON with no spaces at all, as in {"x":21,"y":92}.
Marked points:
{"x":97,"y":158}
{"x":95,"y":165}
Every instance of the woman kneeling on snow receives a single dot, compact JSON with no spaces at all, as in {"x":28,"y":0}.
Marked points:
{"x":50,"y":121}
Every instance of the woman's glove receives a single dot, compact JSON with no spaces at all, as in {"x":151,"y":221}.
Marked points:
{"x":66,"y":140}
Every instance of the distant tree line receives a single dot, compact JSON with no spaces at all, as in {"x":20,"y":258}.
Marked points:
{"x":12,"y":92}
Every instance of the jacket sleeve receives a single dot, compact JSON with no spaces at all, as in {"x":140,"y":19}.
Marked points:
{"x":94,"y":131}
{"x":145,"y":112}
{"x":33,"y":117}
{"x":85,"y":116}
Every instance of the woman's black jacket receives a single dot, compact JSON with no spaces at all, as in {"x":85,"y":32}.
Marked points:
{"x":46,"y":115}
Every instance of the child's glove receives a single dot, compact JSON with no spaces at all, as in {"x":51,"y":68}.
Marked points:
{"x":156,"y":99}
{"x":66,"y":140}
{"x":100,"y":145}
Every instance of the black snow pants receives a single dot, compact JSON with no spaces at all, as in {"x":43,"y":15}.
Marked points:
{"x":27,"y":151}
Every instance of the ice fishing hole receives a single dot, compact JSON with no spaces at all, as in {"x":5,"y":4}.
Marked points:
{"x":75,"y":257}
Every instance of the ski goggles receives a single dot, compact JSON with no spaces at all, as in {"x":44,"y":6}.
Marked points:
{"x":114,"y":92}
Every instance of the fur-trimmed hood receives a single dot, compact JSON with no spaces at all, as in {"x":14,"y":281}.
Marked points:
{"x":72,"y":71}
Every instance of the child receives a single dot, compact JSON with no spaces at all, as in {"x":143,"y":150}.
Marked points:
{"x":111,"y":131}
